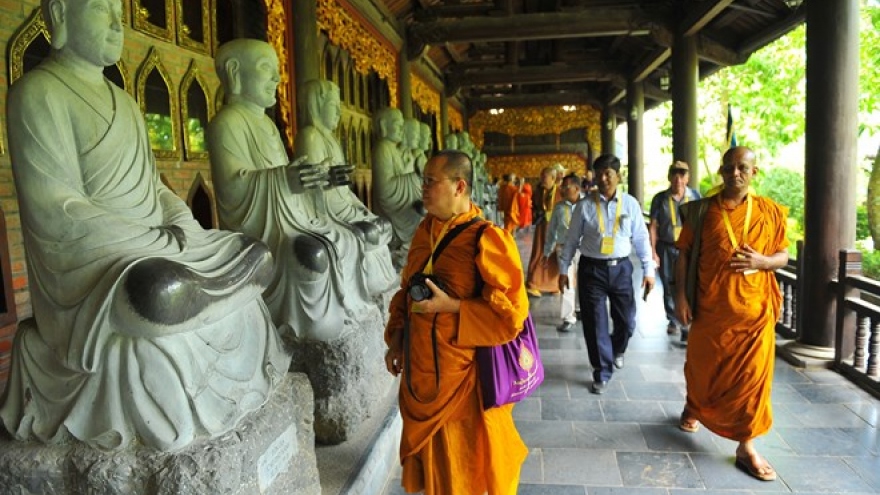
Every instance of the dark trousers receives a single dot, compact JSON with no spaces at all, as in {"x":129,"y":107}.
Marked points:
{"x":668,"y":254}
{"x":598,"y":283}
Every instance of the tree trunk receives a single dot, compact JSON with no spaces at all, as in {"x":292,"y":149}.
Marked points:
{"x":874,"y":201}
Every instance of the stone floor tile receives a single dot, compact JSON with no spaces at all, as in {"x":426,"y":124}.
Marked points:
{"x":642,"y":411}
{"x":823,"y":415}
{"x":654,"y":391}
{"x":629,"y":490}
{"x":719,"y":472}
{"x":819,"y":474}
{"x":609,"y":436}
{"x":868,"y":411}
{"x":658,"y":470}
{"x":868,"y":468}
{"x":828,"y":393}
{"x":525,"y":489}
{"x":546,"y":434}
{"x":668,"y":438}
{"x":570,"y":410}
{"x":822,"y":442}
{"x":581,"y":467}
{"x":532,"y":470}
{"x":529,"y":408}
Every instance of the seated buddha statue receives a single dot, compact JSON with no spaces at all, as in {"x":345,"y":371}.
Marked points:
{"x":318,"y":280}
{"x":147,"y":329}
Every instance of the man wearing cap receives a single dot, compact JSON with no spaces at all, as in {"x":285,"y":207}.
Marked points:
{"x":606,"y":226}
{"x":665,"y":226}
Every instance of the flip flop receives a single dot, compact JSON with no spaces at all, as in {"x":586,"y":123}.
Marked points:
{"x":688,"y":424}
{"x":765,"y":473}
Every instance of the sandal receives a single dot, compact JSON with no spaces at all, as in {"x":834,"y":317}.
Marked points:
{"x":687,"y":423}
{"x":763,"y":473}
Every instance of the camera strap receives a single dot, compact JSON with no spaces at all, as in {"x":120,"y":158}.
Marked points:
{"x":441,"y":245}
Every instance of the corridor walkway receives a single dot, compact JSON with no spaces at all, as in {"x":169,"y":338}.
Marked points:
{"x":626,"y":442}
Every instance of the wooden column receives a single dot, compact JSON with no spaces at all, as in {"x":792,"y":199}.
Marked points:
{"x":306,"y":54}
{"x":609,"y":128}
{"x":444,"y":118}
{"x":685,"y":77}
{"x":831,"y":167}
{"x":405,"y":84}
{"x":635,"y":103}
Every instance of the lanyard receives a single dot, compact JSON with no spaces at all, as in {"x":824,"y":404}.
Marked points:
{"x":567,"y":216}
{"x":429,"y":267}
{"x":602,"y":221}
{"x":672,"y":209}
{"x":730,"y":227}
{"x":549,"y":196}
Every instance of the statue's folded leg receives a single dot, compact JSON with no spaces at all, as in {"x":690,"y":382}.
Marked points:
{"x":163,"y":297}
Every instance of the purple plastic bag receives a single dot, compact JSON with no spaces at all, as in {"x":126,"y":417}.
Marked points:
{"x":511,"y":372}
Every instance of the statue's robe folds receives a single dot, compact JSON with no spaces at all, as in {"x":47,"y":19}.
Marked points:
{"x":449,"y":443}
{"x":91,"y":201}
{"x":731,"y":344}
{"x":396,"y":189}
{"x":345,"y":207}
{"x":256,"y":200}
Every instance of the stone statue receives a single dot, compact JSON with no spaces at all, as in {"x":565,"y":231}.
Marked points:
{"x":397,"y":187}
{"x":318,"y":278}
{"x":411,"y":146}
{"x":317,"y":144}
{"x":147,"y":328}
{"x":425,"y":143}
{"x":450,"y":142}
{"x":466,"y":145}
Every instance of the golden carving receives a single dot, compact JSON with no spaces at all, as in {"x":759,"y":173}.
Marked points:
{"x":194,"y":136}
{"x":456,"y":123}
{"x":535,"y":121}
{"x":424,"y":95}
{"x":365,"y":50}
{"x":277,"y":19}
{"x":530,"y":166}
{"x":183,"y":31}
{"x":152,"y":62}
{"x":142,"y":22}
{"x":34,"y":26}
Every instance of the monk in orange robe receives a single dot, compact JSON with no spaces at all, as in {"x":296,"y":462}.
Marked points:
{"x":450,"y":444}
{"x":732,"y":302}
{"x":508,"y":204}
{"x":524,"y":199}
{"x":543,"y":277}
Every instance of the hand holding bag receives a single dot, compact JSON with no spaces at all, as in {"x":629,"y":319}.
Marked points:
{"x":510,"y":372}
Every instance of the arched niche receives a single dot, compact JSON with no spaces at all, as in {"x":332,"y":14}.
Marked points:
{"x":154,"y":93}
{"x":194,"y":19}
{"x":201,"y":202}
{"x":154,"y":17}
{"x":327,"y":66}
{"x":197,"y":112}
{"x":28,"y":46}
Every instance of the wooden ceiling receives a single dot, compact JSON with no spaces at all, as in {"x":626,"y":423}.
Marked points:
{"x":507,"y":53}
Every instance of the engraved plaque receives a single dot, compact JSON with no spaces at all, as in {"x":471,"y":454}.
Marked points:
{"x":276,"y":459}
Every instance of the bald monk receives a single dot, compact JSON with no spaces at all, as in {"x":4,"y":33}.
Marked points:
{"x":450,"y":444}
{"x":542,"y":277}
{"x":730,"y":245}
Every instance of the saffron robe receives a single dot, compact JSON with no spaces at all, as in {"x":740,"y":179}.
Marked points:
{"x":540,"y":276}
{"x":509,"y":206}
{"x":249,"y":166}
{"x":450,"y":445}
{"x":524,"y":199}
{"x":91,"y":204}
{"x":731,"y":345}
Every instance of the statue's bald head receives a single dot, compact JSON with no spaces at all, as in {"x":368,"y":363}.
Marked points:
{"x":316,"y":93}
{"x":235,"y":54}
{"x":98,"y":33}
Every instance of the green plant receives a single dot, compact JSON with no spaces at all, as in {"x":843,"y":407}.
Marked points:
{"x":863,"y":227}
{"x":871,"y":263}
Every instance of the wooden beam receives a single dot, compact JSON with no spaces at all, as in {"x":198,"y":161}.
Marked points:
{"x":707,"y":49}
{"x":536,"y":26}
{"x":703,"y":13}
{"x":651,"y":62}
{"x":773,"y":32}
{"x":534,"y":75}
{"x":531,"y":100}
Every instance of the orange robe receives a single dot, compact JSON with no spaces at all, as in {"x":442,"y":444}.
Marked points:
{"x":543,"y":277}
{"x":450,"y":445}
{"x":731,"y":345}
{"x":509,"y":205}
{"x":524,"y":199}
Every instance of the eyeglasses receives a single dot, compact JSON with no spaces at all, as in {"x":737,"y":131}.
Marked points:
{"x":431,"y":181}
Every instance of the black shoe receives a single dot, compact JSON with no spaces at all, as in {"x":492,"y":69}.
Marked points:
{"x":566,"y":326}
{"x":577,"y":315}
{"x":684,"y":335}
{"x":598,"y":387}
{"x":618,"y":361}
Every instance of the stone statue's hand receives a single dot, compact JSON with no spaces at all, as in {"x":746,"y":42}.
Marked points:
{"x":303,"y":177}
{"x":340,"y":175}
{"x":419,"y":206}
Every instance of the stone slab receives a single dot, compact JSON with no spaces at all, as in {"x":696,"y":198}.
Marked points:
{"x":271,"y":452}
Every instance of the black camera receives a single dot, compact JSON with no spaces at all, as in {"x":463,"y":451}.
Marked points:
{"x":419,"y":290}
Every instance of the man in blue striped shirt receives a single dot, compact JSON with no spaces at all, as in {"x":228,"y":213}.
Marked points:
{"x":606,"y":226}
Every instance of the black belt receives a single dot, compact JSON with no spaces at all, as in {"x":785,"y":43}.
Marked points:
{"x":603,"y":261}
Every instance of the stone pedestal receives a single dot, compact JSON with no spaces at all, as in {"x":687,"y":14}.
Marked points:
{"x":270,"y":452}
{"x":348,"y":376}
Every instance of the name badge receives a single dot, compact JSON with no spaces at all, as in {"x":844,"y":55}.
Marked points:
{"x":676,"y":231}
{"x":607,"y":245}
